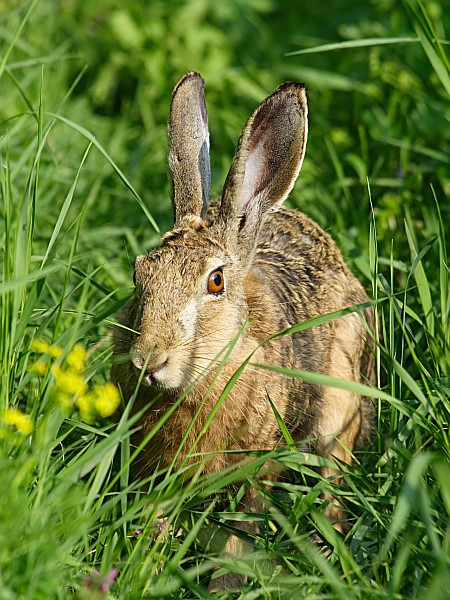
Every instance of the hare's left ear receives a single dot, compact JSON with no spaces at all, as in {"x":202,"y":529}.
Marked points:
{"x":189,"y":148}
{"x":267,"y":162}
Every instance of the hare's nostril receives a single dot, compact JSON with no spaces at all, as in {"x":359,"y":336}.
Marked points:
{"x":152,"y":366}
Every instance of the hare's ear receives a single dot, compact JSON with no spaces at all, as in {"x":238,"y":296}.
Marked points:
{"x":267,"y":161}
{"x":189,"y":148}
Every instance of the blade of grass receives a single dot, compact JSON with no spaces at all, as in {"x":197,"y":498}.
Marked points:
{"x":88,"y":135}
{"x":65,"y":208}
{"x":22,"y":24}
{"x":418,"y":271}
{"x":407,"y":500}
{"x":429,"y":40}
{"x":352,"y":44}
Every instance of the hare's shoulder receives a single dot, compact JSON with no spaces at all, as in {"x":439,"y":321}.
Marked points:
{"x":294,"y":235}
{"x":304,"y":266}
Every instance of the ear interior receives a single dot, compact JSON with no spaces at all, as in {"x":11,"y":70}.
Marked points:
{"x":268,"y":158}
{"x":275,"y":146}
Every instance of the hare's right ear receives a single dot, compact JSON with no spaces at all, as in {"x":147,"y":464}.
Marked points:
{"x":189,"y":148}
{"x":267,"y":162}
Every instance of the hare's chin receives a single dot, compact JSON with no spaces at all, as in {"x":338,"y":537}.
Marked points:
{"x":159,"y":379}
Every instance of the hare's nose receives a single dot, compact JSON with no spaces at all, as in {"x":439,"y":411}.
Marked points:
{"x":156,"y":375}
{"x":152,"y":364}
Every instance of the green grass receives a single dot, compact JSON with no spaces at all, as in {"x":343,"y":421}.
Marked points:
{"x":85,"y":92}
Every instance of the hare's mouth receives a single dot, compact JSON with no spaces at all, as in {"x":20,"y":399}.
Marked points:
{"x":153,"y":375}
{"x":163,"y":376}
{"x":156,"y":375}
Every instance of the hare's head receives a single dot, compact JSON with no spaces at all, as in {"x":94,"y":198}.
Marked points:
{"x":192,"y":292}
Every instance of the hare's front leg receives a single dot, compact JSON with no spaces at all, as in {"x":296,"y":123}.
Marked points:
{"x":236,"y":547}
{"x":342,"y":418}
{"x":339,"y":449}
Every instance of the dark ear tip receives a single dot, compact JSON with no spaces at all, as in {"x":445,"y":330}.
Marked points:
{"x":290,"y":92}
{"x":191,"y":76}
{"x":289,"y":86}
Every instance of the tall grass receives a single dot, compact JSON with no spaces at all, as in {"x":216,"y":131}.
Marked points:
{"x":84,"y":190}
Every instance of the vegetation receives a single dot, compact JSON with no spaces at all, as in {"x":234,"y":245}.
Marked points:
{"x":85,"y":94}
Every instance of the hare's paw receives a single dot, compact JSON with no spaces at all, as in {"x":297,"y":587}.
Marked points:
{"x":227,"y":582}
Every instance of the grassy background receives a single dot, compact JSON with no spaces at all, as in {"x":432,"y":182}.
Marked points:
{"x":85,"y":92}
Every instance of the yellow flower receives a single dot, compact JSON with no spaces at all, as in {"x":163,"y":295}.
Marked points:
{"x":43,"y":347}
{"x":21,"y":421}
{"x":85,"y":403}
{"x":40,"y":346}
{"x":64,"y":400}
{"x":55,"y":351}
{"x":107,"y":399}
{"x":69,"y":382}
{"x":76,"y":359}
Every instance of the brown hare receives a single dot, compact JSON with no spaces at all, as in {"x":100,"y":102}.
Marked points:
{"x":240,"y":272}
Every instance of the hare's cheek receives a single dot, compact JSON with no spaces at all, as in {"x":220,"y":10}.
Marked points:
{"x":188,"y":320}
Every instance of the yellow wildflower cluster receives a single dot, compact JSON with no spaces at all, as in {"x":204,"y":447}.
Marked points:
{"x":71,"y":390}
{"x":17,"y":418}
{"x":102,"y":400}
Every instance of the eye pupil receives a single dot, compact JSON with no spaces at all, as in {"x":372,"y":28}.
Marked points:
{"x":216,"y":282}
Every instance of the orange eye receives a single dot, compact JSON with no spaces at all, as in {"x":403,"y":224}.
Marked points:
{"x":216,"y":282}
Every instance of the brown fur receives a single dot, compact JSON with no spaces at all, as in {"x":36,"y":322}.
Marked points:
{"x":280,"y":269}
